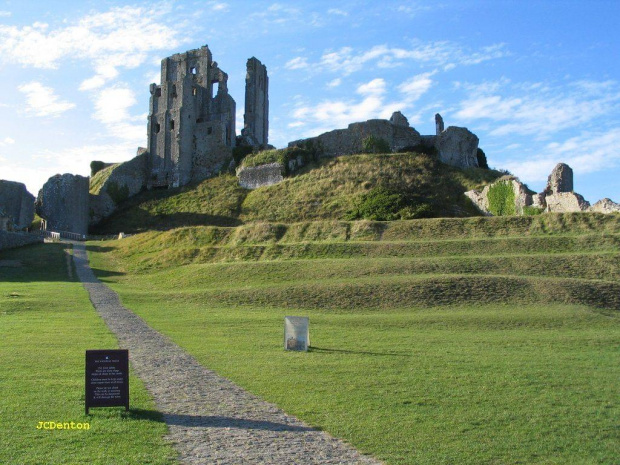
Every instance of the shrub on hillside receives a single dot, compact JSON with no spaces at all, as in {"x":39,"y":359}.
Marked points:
{"x":502,"y":199}
{"x":378,"y":204}
{"x":532,"y":211}
{"x":372,"y":144}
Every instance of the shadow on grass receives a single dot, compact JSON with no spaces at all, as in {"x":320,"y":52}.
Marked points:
{"x":208,"y":421}
{"x":355,"y":352}
{"x":164,"y":222}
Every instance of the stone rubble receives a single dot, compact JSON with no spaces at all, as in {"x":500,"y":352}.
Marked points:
{"x":558,"y":196}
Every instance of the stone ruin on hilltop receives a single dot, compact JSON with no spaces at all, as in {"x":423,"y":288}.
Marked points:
{"x":191,"y":135}
{"x":558,"y":196}
{"x":191,"y":132}
{"x":455,"y":146}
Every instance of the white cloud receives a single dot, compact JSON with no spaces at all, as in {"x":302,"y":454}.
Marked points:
{"x":297,"y":63}
{"x":278,"y":13}
{"x":7,"y":141}
{"x":112,"y":109}
{"x":586,"y":153}
{"x":92,"y":83}
{"x":412,"y":9}
{"x":119,"y":38}
{"x":417,"y":86}
{"x":539,"y":109}
{"x":219,"y":6}
{"x":330,"y":114}
{"x":41,"y":100}
{"x":334,"y":83}
{"x":375,"y":87}
{"x":5,"y":14}
{"x":346,"y":60}
{"x":337,"y":12}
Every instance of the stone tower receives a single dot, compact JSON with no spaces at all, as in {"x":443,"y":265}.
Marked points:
{"x":190,"y":132}
{"x":256,"y":117}
{"x":438,"y":124}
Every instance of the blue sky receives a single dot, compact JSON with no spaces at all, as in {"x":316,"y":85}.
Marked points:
{"x":537,"y":81}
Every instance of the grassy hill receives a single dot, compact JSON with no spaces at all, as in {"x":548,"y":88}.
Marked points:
{"x":458,"y":340}
{"x":331,"y":189}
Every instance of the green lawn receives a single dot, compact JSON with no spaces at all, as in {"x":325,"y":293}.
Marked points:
{"x":503,"y":382}
{"x":46,"y":324}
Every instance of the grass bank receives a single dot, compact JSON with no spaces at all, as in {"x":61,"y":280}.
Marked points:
{"x":433,"y":341}
{"x":46,"y":324}
{"x":327,"y":190}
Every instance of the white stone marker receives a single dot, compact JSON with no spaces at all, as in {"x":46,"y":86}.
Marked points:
{"x":296,"y":333}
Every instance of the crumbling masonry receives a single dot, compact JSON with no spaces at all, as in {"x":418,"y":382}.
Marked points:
{"x":191,"y":132}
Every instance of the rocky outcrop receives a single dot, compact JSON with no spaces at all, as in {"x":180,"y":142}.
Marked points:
{"x":566,"y":202}
{"x":522,"y":195}
{"x":16,"y":205}
{"x":554,"y":199}
{"x":605,"y":206}
{"x":121,"y":181}
{"x":63,"y":202}
{"x":259,"y":176}
{"x":560,"y":180}
{"x":458,"y":147}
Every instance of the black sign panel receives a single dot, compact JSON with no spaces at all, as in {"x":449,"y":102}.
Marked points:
{"x":107,"y":378}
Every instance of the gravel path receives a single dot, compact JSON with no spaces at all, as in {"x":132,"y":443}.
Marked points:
{"x":210,"y":419}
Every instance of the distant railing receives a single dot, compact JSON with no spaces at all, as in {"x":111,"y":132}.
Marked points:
{"x":56,"y":235}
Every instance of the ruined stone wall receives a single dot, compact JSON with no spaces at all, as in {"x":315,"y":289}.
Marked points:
{"x":11,"y":240}
{"x":64,"y":202}
{"x":349,"y":141}
{"x":260,"y":176}
{"x":126,"y":180}
{"x":16,"y":204}
{"x":212,"y":154}
{"x":458,"y":147}
{"x":178,"y":107}
{"x":256,"y":116}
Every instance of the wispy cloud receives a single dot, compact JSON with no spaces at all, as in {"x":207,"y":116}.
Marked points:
{"x":348,"y":60}
{"x":417,"y":86}
{"x":278,"y":13}
{"x":371,"y":103}
{"x":42,"y":101}
{"x":297,"y":63}
{"x":219,"y":6}
{"x":7,"y":141}
{"x":5,"y":14}
{"x":119,"y":38}
{"x":588,"y":152}
{"x":337,"y":12}
{"x":538,"y":109}
{"x":112,"y":109}
{"x":334,"y":83}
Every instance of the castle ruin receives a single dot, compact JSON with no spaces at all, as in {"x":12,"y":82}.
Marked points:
{"x":255,"y":130}
{"x":191,"y":122}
